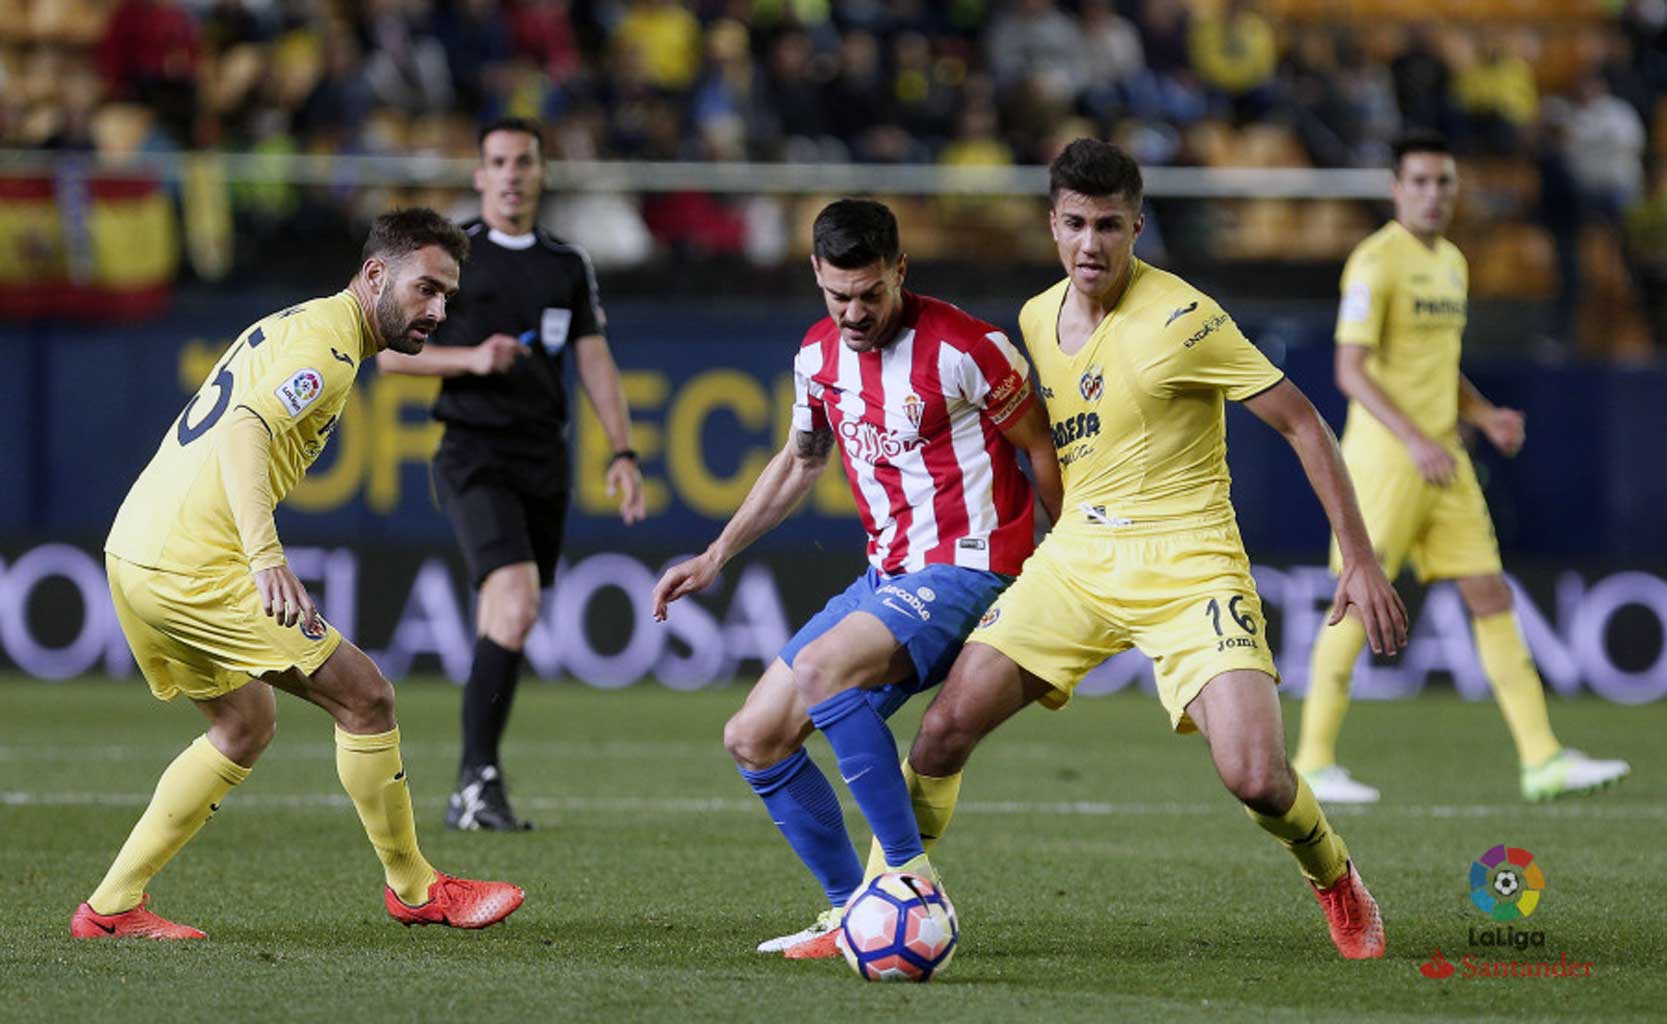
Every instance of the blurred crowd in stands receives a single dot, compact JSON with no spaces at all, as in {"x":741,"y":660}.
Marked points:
{"x":1556,"y":106}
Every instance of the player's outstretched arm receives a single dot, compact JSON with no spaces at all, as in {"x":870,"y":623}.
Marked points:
{"x":1505,"y":428}
{"x":1434,"y":462}
{"x":779,"y":489}
{"x":494,"y":355}
{"x":1030,"y":434}
{"x":244,"y":450}
{"x":1362,"y":584}
{"x":600,"y":377}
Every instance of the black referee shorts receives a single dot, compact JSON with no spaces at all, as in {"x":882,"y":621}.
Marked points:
{"x":497,"y":524}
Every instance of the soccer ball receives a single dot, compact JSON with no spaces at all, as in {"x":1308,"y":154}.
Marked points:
{"x":1506,"y":884}
{"x":898,"y":928}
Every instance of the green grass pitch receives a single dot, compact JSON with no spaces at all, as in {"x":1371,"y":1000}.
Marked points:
{"x":1100,"y":872}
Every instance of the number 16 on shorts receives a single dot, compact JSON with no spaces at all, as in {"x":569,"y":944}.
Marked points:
{"x":1237,"y":617}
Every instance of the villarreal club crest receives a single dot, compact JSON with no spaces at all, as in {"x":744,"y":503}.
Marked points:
{"x":1093,"y":382}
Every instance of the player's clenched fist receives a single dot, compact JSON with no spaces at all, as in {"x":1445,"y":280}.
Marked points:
{"x":684,"y":578}
{"x":283,"y":597}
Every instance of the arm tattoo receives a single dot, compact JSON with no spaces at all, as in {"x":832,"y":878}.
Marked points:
{"x":814,"y":444}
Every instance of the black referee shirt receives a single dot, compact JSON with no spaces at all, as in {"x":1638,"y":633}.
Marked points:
{"x":542,"y":291}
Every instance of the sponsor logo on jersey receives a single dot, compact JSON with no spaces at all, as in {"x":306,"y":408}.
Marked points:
{"x":1179,"y":313}
{"x":1005,"y":388}
{"x":300,"y":390}
{"x":871,"y":444}
{"x":1083,"y":424}
{"x":926,"y":593}
{"x":1438,"y":307}
{"x":1081,"y":451}
{"x":1007,"y":397}
{"x":1208,"y":329}
{"x":1092,"y":384}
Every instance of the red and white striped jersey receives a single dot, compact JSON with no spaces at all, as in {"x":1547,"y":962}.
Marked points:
{"x":919,"y":426}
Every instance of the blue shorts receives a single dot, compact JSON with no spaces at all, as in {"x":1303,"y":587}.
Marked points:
{"x":930,"y":612}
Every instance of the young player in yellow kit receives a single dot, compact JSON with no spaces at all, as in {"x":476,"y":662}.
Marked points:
{"x":212,"y":610}
{"x":1135,"y":365}
{"x":1405,"y":292}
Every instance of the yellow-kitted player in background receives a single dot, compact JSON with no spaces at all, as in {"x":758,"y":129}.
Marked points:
{"x":1399,"y":330}
{"x":212,"y":610}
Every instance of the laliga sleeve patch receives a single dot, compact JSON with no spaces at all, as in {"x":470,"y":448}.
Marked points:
{"x":300,"y":390}
{"x":1357,"y":303}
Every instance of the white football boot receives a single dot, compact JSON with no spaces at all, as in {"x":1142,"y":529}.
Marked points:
{"x":1334,"y":785}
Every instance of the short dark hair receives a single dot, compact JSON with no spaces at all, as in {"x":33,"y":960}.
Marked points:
{"x":1095,"y":168}
{"x":1418,"y":141}
{"x":525,"y":125}
{"x":853,"y":233}
{"x":402,"y":232}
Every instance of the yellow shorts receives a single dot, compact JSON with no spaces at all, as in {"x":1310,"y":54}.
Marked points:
{"x":1182,"y":595}
{"x":1446,"y":532}
{"x":205,"y":636}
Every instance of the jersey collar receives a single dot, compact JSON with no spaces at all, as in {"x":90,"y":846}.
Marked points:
{"x":509,"y":241}
{"x":1412,"y":240}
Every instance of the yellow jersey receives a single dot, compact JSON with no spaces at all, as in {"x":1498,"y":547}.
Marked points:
{"x":293,"y":369}
{"x":1407,"y":302}
{"x":1137,"y":412}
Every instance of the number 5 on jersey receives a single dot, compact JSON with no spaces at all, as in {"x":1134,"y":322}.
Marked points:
{"x":222,"y":383}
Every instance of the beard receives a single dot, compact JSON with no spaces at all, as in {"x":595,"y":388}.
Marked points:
{"x":395,"y":328}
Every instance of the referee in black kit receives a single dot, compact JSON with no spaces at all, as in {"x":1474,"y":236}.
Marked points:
{"x":527,"y":300}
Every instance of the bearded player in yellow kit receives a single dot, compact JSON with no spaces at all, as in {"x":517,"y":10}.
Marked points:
{"x":1399,"y":328}
{"x":212,"y":610}
{"x":1135,"y":365}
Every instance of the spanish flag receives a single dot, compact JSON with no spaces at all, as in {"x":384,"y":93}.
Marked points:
{"x":73,"y":245}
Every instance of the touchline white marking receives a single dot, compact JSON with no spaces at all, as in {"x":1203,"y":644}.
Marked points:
{"x":695,"y":805}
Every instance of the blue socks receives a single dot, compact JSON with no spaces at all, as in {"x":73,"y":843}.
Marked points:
{"x":804,"y":806}
{"x":868,"y":763}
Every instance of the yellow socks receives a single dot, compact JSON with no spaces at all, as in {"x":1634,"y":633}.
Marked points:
{"x":934,"y":803}
{"x":1516,"y":686}
{"x":371,"y":772}
{"x":187,"y":796}
{"x":1304,"y":831}
{"x":1336,"y":650}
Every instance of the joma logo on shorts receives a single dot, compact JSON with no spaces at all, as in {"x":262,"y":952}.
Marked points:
{"x":1235,"y":641}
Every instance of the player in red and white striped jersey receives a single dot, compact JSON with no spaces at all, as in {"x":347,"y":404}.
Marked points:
{"x":920,"y":426}
{"x":929,"y":406}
